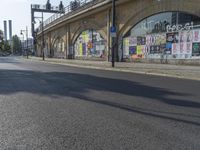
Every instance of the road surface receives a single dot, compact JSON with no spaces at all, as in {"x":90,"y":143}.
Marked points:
{"x":54,"y":107}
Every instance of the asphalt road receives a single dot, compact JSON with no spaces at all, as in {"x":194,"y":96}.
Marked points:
{"x":54,"y":107}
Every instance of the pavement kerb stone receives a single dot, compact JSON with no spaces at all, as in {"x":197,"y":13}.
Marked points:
{"x":109,"y":68}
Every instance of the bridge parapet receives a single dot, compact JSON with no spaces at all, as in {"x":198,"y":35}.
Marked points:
{"x":70,"y":10}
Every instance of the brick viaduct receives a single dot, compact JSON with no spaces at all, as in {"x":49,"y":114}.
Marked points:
{"x":98,"y":15}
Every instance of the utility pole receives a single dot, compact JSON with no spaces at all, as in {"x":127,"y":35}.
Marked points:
{"x":113,"y":33}
{"x":43,"y":45}
{"x":27,"y":42}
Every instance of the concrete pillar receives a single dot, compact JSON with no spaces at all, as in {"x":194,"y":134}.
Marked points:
{"x":69,"y":44}
{"x":65,"y":41}
{"x":49,"y":44}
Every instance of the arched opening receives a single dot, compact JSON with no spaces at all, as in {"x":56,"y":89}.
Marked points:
{"x":59,"y":47}
{"x":90,"y":44}
{"x":171,"y":35}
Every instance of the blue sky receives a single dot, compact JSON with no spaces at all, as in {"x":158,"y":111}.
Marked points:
{"x":20,"y":13}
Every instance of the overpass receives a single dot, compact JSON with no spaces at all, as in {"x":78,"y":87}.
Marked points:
{"x":84,"y":32}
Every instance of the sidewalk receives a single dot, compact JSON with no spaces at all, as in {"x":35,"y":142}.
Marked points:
{"x":177,"y":71}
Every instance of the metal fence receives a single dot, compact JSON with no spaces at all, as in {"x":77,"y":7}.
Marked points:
{"x":74,"y":7}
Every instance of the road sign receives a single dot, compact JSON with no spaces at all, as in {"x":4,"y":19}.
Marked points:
{"x":113,"y":32}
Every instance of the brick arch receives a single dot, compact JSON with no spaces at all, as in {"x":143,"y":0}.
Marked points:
{"x":57,"y":36}
{"x":184,"y":6}
{"x":85,"y":27}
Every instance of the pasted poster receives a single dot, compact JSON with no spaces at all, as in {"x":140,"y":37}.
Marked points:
{"x":155,"y":49}
{"x":126,"y":46}
{"x":183,"y":47}
{"x":151,"y":39}
{"x":160,"y":39}
{"x":189,"y":36}
{"x":175,"y":48}
{"x":168,"y":48}
{"x":132,"y":41}
{"x":84,"y":49}
{"x":183,"y":36}
{"x":196,"y":49}
{"x":133,"y":50}
{"x":80,"y":49}
{"x":148,"y":40}
{"x":172,"y":37}
{"x":140,"y":49}
{"x":84,"y":36}
{"x":141,"y":40}
{"x":162,"y":48}
{"x":196,"y":36}
{"x":185,"y":42}
{"x":188,"y":48}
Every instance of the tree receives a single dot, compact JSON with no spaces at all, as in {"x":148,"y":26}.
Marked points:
{"x":16,"y":45}
{"x":4,"y":45}
{"x":1,"y":41}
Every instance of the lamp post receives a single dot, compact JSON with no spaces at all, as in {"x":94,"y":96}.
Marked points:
{"x":26,"y":31}
{"x":113,"y":31}
{"x":22,"y":40}
{"x":43,"y":36}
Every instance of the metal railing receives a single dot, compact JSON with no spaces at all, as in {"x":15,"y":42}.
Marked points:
{"x":72,"y":8}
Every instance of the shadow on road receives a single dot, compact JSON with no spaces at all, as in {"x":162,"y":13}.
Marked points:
{"x":78,"y":86}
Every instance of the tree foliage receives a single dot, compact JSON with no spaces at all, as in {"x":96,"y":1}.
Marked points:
{"x":4,"y":45}
{"x":16,"y":45}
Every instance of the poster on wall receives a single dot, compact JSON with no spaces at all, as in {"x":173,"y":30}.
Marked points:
{"x":183,"y":47}
{"x":196,"y":36}
{"x":126,"y":46}
{"x":84,"y":49}
{"x":183,"y":36}
{"x":140,"y":49}
{"x":141,"y":40}
{"x":132,"y":41}
{"x":133,"y":50}
{"x":189,"y":36}
{"x":168,"y":48}
{"x":80,"y":49}
{"x":155,"y":49}
{"x":196,"y":49}
{"x":153,"y":39}
{"x":175,"y":48}
{"x":148,"y":40}
{"x":160,"y":39}
{"x":172,"y":37}
{"x":84,"y":37}
{"x":162,"y":48}
{"x":80,"y":39}
{"x":188,"y":48}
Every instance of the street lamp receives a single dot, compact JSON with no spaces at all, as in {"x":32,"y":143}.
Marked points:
{"x":22,"y":40}
{"x":113,"y":32}
{"x":26,"y":31}
{"x":42,"y":36}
